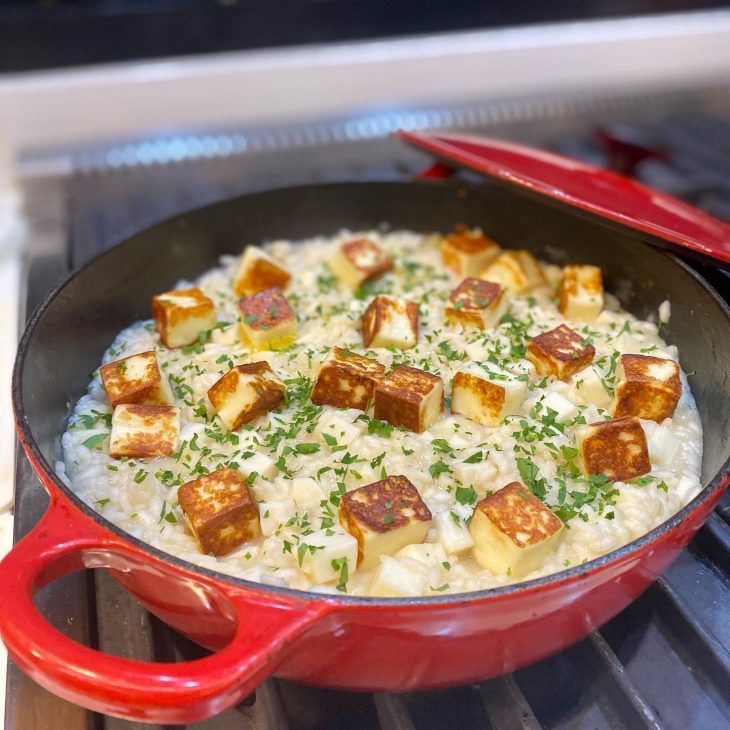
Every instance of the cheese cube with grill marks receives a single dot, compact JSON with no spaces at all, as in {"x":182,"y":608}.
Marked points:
{"x":486,"y":393}
{"x":560,"y":353}
{"x":384,"y":517}
{"x":268,"y":321}
{"x":143,"y":432}
{"x":245,"y":393}
{"x":468,"y":252}
{"x":580,"y":293}
{"x":358,"y":261}
{"x":347,"y":380}
{"x":181,"y":315}
{"x":513,"y":531}
{"x":410,"y":397}
{"x":647,"y":387}
{"x":616,"y":448}
{"x":477,"y":303}
{"x":257,"y":272}
{"x":220,"y":510}
{"x":516,"y":271}
{"x":327,"y":552}
{"x":390,"y":322}
{"x":136,"y":379}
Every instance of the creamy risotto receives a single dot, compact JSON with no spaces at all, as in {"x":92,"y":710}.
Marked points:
{"x":297,"y":464}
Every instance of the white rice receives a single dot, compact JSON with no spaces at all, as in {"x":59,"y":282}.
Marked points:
{"x":140,"y":496}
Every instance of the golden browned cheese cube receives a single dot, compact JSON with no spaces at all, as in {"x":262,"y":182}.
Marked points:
{"x":580,"y":292}
{"x":647,"y":387}
{"x":258,"y":271}
{"x":181,"y":315}
{"x":347,"y":380}
{"x":268,"y":321}
{"x":513,"y":531}
{"x":358,"y":261}
{"x":143,"y":432}
{"x":486,"y":393}
{"x":389,"y":322}
{"x":136,"y":379}
{"x":468,"y":251}
{"x":560,"y":353}
{"x":409,"y":397}
{"x":517,"y":271}
{"x":384,"y":517}
{"x":615,"y":448}
{"x":477,"y":303}
{"x":246,"y":392}
{"x":220,"y":510}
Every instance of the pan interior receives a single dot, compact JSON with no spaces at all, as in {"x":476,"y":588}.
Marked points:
{"x":69,"y":334}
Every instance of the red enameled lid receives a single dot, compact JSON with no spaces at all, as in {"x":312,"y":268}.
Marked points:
{"x":668,"y":222}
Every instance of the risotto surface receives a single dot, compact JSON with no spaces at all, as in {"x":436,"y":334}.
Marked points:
{"x":298,"y":472}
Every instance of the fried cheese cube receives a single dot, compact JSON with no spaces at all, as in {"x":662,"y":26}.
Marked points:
{"x":477,"y":303}
{"x":467,"y":251}
{"x":389,"y":322}
{"x":384,"y":517}
{"x":516,"y":271}
{"x":358,"y":261}
{"x":410,"y":397}
{"x":616,"y":448}
{"x":486,"y":396}
{"x":220,"y":510}
{"x":136,"y":379}
{"x":181,"y":315}
{"x":580,"y":292}
{"x":330,"y":554}
{"x":268,"y":321}
{"x":560,"y":353}
{"x":347,"y":380}
{"x":513,"y":531}
{"x":647,"y":387}
{"x":245,"y":393}
{"x":257,"y":272}
{"x":486,"y":393}
{"x":143,"y":432}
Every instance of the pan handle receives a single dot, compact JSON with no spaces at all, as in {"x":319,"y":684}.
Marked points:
{"x":66,"y":540}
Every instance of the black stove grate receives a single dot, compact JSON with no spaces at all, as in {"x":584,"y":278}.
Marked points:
{"x":662,"y":663}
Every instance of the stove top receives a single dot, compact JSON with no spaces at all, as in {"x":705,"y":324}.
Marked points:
{"x":662,"y":663}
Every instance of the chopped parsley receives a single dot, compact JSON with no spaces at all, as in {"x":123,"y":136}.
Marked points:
{"x":340,"y":564}
{"x":95,"y":441}
{"x":438,"y":468}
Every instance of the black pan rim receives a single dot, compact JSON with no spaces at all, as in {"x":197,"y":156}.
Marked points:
{"x":344,"y":600}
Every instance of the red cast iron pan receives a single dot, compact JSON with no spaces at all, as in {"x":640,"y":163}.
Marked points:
{"x":335,"y":641}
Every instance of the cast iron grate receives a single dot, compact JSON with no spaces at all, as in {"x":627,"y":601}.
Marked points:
{"x":662,"y":663}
